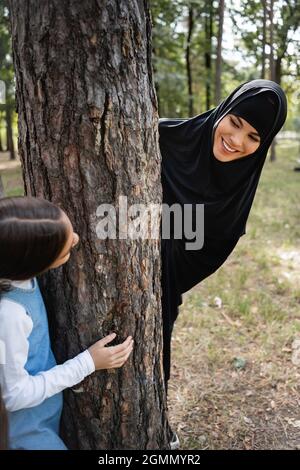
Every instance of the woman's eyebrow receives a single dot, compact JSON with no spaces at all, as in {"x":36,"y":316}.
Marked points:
{"x":239,"y":120}
{"x":241,"y":123}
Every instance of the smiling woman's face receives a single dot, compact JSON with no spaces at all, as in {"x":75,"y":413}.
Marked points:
{"x":234,"y":138}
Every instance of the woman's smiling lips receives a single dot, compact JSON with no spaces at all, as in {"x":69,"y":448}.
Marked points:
{"x":227,"y":147}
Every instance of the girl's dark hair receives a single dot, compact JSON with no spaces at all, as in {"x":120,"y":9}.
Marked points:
{"x":32,"y":235}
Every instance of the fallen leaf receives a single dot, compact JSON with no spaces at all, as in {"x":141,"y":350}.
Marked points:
{"x":248,"y":420}
{"x":218,"y":302}
{"x":239,"y":362}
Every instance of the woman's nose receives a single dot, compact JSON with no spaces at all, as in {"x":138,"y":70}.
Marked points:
{"x":237,"y":140}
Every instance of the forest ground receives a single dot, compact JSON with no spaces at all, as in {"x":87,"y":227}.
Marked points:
{"x":236,"y":346}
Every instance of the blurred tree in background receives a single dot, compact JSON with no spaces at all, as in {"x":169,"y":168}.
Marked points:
{"x":7,"y":114}
{"x":204,"y":48}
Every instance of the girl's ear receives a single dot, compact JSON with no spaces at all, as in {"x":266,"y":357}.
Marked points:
{"x":76,"y":239}
{"x":5,"y":285}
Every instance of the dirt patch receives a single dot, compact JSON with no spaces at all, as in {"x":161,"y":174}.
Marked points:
{"x":6,"y":163}
{"x":254,"y":408}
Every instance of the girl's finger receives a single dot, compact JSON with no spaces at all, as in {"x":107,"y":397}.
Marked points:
{"x":107,"y":339}
{"x":122,"y":358}
{"x":121,"y":347}
{"x":119,"y":355}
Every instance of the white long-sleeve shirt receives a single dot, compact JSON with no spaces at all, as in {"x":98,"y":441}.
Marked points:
{"x":20,"y":389}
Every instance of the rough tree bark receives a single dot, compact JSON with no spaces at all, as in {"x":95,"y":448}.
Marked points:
{"x":9,"y":133}
{"x":3,"y":424}
{"x":88,"y":134}
{"x":1,"y":187}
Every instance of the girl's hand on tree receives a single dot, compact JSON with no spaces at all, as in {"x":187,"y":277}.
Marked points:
{"x":113,"y":356}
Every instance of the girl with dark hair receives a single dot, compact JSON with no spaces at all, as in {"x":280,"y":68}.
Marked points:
{"x":36,"y":236}
{"x":214,"y":159}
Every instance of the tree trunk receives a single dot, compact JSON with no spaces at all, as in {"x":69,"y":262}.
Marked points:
{"x":219,"y":53}
{"x":156,"y":82}
{"x":1,"y":187}
{"x":208,"y":51}
{"x":278,"y":69}
{"x":3,"y":420}
{"x":9,"y":133}
{"x":264,"y":40}
{"x":1,"y":123}
{"x":188,"y":61}
{"x":271,"y":19}
{"x":272,"y":67}
{"x":273,"y":151}
{"x":88,"y":135}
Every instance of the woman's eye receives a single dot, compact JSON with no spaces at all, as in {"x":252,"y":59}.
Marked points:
{"x":234,"y":123}
{"x":255,"y":139}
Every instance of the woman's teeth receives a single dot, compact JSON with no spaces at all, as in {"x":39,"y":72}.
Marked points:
{"x":229,"y":149}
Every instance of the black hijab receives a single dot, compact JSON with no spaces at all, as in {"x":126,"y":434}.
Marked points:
{"x":191,"y":174}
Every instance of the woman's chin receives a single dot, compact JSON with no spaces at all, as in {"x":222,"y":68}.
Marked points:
{"x":221,"y":156}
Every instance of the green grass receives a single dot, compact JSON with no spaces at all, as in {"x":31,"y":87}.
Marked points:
{"x":258,"y":320}
{"x":12,"y":182}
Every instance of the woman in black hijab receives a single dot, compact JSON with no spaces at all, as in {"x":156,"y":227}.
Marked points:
{"x":214,"y":159}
